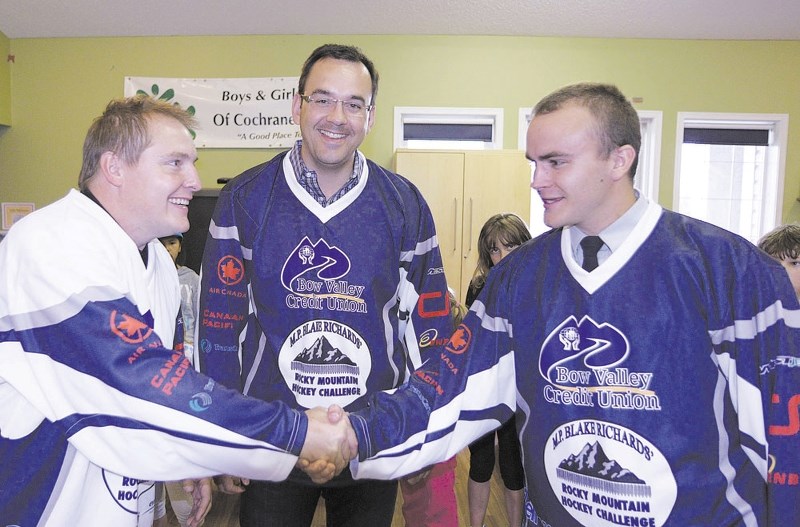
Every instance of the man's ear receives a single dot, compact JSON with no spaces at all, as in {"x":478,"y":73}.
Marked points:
{"x":110,"y":167}
{"x":623,"y":157}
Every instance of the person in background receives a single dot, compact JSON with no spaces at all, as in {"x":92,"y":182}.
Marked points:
{"x":429,"y":497}
{"x":651,"y":357}
{"x":321,"y":283}
{"x":96,"y":401}
{"x":501,"y":234}
{"x":179,"y":499}
{"x":190,"y":291}
{"x":783,"y":244}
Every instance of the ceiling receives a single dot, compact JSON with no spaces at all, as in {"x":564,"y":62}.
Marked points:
{"x":674,"y":19}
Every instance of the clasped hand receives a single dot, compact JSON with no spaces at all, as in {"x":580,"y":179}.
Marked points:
{"x":330,"y":444}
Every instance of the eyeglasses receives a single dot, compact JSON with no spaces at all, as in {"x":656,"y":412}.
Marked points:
{"x":352,"y":107}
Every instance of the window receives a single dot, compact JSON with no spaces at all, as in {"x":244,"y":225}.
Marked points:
{"x":730,"y":170}
{"x":645,"y":180}
{"x":441,"y":128}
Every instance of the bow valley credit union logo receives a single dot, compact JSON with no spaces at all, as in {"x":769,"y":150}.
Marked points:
{"x":325,"y":362}
{"x":584,"y":364}
{"x":604,"y":474}
{"x":314,"y":275}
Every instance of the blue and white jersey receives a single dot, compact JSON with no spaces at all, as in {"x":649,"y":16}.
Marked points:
{"x":315,"y":305}
{"x":94,"y":402}
{"x":654,"y":391}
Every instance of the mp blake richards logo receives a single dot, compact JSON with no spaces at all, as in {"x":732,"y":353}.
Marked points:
{"x":604,"y":474}
{"x":314,"y":275}
{"x":325,"y":362}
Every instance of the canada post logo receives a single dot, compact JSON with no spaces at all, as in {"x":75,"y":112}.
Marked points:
{"x":129,"y":329}
{"x":230,"y":270}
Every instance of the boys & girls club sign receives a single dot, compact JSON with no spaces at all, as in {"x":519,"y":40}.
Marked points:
{"x":231,"y":113}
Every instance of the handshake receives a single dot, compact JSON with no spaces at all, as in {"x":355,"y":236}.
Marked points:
{"x":330,"y":443}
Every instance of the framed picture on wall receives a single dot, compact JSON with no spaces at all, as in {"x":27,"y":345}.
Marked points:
{"x":13,"y":212}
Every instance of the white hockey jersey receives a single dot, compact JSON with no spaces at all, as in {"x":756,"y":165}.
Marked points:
{"x":94,"y":402}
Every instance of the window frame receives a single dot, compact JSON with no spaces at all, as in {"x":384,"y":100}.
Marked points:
{"x":777,"y":123}
{"x":447,"y":115}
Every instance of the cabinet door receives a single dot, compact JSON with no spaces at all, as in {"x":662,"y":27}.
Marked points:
{"x":494,"y":182}
{"x":440,"y":178}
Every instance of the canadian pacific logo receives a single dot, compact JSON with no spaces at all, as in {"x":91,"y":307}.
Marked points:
{"x":325,"y":362}
{"x":583,"y":363}
{"x":589,"y":467}
{"x":314,"y":275}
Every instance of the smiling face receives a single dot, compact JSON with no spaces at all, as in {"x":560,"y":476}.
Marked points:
{"x":155,"y":192}
{"x":579,"y":185}
{"x":331,"y":137}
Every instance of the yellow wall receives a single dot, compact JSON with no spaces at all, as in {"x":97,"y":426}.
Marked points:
{"x":5,"y":82}
{"x":60,"y":85}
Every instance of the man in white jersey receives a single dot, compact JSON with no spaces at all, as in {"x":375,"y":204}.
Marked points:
{"x":652,"y":358}
{"x":97,"y":399}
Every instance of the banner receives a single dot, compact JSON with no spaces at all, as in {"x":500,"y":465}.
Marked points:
{"x":232,"y":113}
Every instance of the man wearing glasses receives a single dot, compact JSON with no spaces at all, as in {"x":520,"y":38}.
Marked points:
{"x":322,"y":283}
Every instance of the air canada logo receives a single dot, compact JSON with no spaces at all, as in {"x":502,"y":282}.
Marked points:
{"x":325,"y":361}
{"x":314,"y":274}
{"x":459,"y":341}
{"x":589,"y":466}
{"x":230,"y":270}
{"x":131,"y":330}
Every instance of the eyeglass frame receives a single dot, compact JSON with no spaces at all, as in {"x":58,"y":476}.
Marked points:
{"x":366,"y":108}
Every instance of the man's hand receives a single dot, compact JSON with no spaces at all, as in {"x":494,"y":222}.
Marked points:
{"x":231,"y":484}
{"x":330,"y":444}
{"x":200,"y":490}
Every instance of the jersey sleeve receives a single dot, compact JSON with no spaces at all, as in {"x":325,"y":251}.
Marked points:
{"x":76,"y":351}
{"x":756,"y":350}
{"x":454,"y":398}
{"x":777,"y":339}
{"x":426,"y":322}
{"x":224,"y":298}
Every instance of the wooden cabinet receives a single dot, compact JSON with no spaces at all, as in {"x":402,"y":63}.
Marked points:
{"x":464,"y":189}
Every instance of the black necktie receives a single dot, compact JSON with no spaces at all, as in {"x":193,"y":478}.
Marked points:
{"x":590,"y":246}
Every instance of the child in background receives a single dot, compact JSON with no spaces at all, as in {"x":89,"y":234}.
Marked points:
{"x":179,"y":499}
{"x":783,"y":244}
{"x":501,"y":234}
{"x":429,"y":498}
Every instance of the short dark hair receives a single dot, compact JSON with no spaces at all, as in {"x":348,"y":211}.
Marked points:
{"x":339,"y":52}
{"x":123,"y":129}
{"x":616,"y":118}
{"x":782,"y":242}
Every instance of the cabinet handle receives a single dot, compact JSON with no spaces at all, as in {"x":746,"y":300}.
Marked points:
{"x":469,"y":238}
{"x":455,"y":226}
